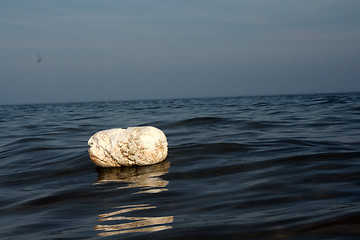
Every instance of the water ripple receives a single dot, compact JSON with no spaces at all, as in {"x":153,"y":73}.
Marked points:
{"x":272,"y":167}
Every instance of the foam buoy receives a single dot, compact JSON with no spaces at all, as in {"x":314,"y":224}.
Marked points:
{"x":127,"y":147}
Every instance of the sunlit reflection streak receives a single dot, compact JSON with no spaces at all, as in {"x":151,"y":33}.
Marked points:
{"x":147,"y":180}
{"x":149,"y":229}
{"x":135,"y":224}
{"x":138,"y":207}
{"x":148,"y":221}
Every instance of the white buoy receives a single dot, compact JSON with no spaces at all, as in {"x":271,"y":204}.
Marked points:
{"x":127,"y":147}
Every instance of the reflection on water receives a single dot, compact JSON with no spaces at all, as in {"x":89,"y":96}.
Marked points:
{"x":132,"y":224}
{"x":148,"y":180}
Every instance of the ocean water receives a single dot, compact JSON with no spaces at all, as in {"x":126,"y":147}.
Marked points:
{"x":270,"y":167}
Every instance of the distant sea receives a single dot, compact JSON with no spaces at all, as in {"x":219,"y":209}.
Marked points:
{"x":269,"y":167}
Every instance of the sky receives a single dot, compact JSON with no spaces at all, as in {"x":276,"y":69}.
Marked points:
{"x":87,"y":50}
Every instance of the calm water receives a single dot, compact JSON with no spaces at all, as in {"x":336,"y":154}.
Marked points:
{"x":279,"y":167}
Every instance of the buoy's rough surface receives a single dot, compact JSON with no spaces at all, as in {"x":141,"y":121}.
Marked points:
{"x":127,"y":147}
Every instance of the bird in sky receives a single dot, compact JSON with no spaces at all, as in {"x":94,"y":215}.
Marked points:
{"x":39,"y":59}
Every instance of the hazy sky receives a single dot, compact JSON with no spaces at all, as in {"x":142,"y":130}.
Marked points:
{"x":66,"y":50}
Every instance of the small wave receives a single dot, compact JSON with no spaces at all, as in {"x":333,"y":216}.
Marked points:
{"x":209,"y":148}
{"x":23,"y":140}
{"x":45,"y":169}
{"x":198,"y":121}
{"x":313,"y":162}
{"x":355,"y":109}
{"x":70,"y":129}
{"x":255,"y":125}
{"x":50,"y":200}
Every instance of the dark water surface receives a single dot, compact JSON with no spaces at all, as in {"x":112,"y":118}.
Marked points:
{"x":279,"y":167}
